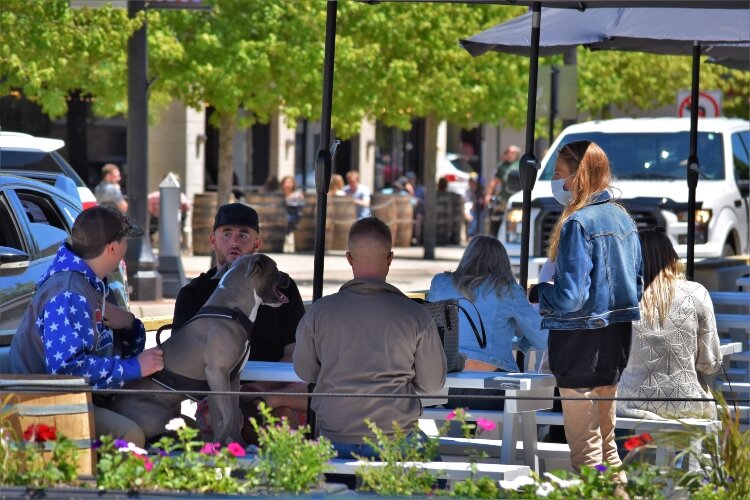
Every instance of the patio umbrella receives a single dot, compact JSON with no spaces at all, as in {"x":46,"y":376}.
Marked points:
{"x":722,"y":33}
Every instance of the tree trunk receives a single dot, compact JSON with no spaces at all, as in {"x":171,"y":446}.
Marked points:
{"x":429,"y":167}
{"x":226,"y":145}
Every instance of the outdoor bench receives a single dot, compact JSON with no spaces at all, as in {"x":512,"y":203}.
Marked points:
{"x":442,"y":470}
{"x":664,"y":451}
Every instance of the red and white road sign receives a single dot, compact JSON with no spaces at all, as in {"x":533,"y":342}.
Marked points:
{"x":709,"y":103}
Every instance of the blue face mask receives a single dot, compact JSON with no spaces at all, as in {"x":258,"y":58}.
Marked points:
{"x":558,"y":191}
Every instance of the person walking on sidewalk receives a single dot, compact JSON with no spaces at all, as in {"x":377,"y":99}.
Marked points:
{"x":70,"y":328}
{"x":236,"y":233}
{"x":590,"y":306}
{"x":108,"y":191}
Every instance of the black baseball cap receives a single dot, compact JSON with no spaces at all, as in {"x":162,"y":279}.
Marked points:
{"x":101,"y":225}
{"x":237,"y":214}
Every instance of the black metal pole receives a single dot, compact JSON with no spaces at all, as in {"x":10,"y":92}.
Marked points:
{"x":528,"y":165}
{"x":324,"y":158}
{"x":142,"y":275}
{"x":693,"y":165}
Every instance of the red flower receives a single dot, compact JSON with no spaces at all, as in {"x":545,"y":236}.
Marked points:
{"x":638,"y":441}
{"x":39,"y":433}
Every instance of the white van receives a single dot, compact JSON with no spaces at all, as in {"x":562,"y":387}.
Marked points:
{"x":648,"y":157}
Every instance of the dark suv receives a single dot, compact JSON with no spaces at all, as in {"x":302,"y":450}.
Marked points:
{"x":35,"y":218}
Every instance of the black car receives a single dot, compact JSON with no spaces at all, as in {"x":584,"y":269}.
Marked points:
{"x":35,"y":217}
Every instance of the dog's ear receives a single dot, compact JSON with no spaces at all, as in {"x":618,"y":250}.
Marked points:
{"x":256,"y":264}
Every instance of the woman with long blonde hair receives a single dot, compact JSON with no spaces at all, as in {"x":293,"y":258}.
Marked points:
{"x":675,"y":339}
{"x":593,"y":299}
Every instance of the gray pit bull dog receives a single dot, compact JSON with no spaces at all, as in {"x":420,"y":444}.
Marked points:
{"x":211,"y":348}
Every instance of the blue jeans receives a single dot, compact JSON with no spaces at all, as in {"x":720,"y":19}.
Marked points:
{"x":348,"y":450}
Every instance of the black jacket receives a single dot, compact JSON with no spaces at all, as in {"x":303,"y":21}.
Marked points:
{"x":274,"y":327}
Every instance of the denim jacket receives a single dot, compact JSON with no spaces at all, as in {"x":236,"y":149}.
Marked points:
{"x":598,"y":270}
{"x":504,"y":317}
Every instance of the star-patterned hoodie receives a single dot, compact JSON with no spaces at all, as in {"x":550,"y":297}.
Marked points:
{"x":62,"y":331}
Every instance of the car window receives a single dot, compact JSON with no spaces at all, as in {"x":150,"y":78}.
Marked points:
{"x":37,"y":161}
{"x":8,"y":230}
{"x":652,"y":155}
{"x":19,"y":159}
{"x":47,"y":223}
{"x":741,"y":157}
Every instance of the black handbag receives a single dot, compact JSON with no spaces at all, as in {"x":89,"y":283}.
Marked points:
{"x":445,"y":315}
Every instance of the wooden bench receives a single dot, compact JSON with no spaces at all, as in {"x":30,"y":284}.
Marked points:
{"x":442,"y":470}
{"x":726,"y":322}
{"x":552,"y":455}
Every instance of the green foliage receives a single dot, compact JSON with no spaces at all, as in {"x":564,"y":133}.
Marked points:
{"x":288,"y":461}
{"x":392,"y":478}
{"x":184,"y":464}
{"x":725,"y":458}
{"x":55,"y":50}
{"x":23,"y":458}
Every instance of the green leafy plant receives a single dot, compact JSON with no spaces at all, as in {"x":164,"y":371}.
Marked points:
{"x":44,"y":458}
{"x":724,"y":463}
{"x":392,"y":478}
{"x":474,"y":486}
{"x":184,"y":464}
{"x":287,"y":460}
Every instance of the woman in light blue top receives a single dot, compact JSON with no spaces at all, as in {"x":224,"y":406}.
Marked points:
{"x":484,"y":276}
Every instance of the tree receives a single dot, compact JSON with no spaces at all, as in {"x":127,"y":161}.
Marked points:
{"x":243,"y":55}
{"x":48,"y":51}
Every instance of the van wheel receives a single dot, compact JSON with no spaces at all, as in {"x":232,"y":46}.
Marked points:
{"x":728,"y":250}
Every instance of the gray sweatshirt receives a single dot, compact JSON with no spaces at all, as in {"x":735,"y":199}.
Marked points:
{"x":368,"y":338}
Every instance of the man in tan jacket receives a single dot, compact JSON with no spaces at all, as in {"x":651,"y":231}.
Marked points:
{"x":368,"y":338}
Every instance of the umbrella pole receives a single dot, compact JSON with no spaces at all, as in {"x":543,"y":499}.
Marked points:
{"x":323,"y":165}
{"x":323,"y":162}
{"x":693,"y":165}
{"x":528,"y":165}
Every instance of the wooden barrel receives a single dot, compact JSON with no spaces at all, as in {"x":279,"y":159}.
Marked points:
{"x":344,"y":215}
{"x":383,"y":206}
{"x":71,"y":413}
{"x":271,"y":210}
{"x":304,"y":235}
{"x":204,"y":211}
{"x":457,"y":217}
{"x":405,"y":221}
{"x":444,"y":222}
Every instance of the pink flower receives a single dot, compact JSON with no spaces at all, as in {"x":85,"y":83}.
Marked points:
{"x":485,"y":425}
{"x":451,"y":415}
{"x":211,"y":448}
{"x":147,"y":464}
{"x":236,"y":450}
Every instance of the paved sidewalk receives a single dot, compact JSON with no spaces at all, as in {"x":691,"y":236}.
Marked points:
{"x":409,"y":272}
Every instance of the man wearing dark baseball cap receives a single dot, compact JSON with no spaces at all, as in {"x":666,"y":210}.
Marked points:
{"x":237,"y":232}
{"x":69,"y":328}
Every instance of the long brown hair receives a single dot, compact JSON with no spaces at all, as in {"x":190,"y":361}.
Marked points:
{"x":661,"y":268}
{"x":485,"y":260}
{"x":589,"y":166}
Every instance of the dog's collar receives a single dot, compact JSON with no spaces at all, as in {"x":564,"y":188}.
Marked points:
{"x":225,"y":312}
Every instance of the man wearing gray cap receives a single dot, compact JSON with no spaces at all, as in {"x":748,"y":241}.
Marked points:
{"x":236,"y":233}
{"x":70,"y":328}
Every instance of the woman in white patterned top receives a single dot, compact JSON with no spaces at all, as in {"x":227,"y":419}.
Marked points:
{"x":675,"y":340}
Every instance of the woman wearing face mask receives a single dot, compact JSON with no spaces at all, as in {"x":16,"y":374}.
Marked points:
{"x":592,"y":300}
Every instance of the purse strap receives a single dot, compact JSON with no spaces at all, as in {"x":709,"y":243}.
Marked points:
{"x":482,"y":341}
